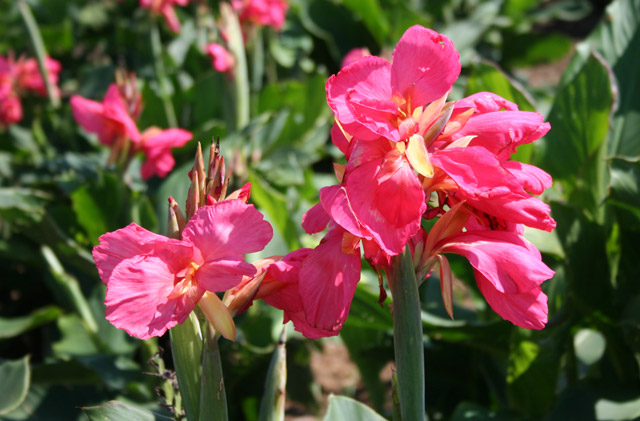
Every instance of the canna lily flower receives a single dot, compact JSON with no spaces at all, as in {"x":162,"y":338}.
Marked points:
{"x":109,"y":119}
{"x":373,"y":98}
{"x":154,"y":282}
{"x":156,"y":145}
{"x":28,"y":76}
{"x":165,"y":8}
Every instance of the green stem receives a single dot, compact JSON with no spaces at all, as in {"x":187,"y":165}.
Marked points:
{"x":241,"y":94}
{"x":69,"y":285}
{"x":273,"y":400}
{"x":186,"y":348}
{"x":257,"y":68}
{"x":161,"y":73}
{"x":40,"y":50}
{"x":213,"y":398}
{"x":407,"y":337}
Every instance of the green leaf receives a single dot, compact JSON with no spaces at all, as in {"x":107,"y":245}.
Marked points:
{"x":22,"y":205}
{"x":274,"y":204}
{"x":371,"y":14}
{"x":574,"y":148}
{"x":10,"y":327}
{"x":617,"y":38}
{"x":342,"y":408}
{"x":272,"y":405}
{"x":119,"y":411}
{"x":186,"y":347}
{"x":16,"y":377}
{"x":539,"y":48}
{"x":486,"y":76}
{"x":532,"y":376}
{"x":625,"y":182}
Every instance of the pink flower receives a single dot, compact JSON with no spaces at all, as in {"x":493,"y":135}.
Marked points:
{"x":156,"y":144}
{"x":154,"y":282}
{"x":10,"y":106}
{"x":28,"y":76}
{"x":354,"y":55}
{"x":165,"y":8}
{"x":373,"y":98}
{"x":261,"y":12}
{"x":109,"y":119}
{"x":221,"y":59}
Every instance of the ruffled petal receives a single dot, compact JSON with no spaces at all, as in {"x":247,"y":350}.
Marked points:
{"x":336,"y":204}
{"x":227,"y":230}
{"x":425,"y":65}
{"x":486,"y":102}
{"x":360,"y":97}
{"x":527,"y":309}
{"x":115,"y":110}
{"x":315,"y":219}
{"x":327,"y":282}
{"x":221,"y":275}
{"x":137,"y":294}
{"x":131,"y":241}
{"x":89,"y":115}
{"x":533,"y":179}
{"x":509,"y":262}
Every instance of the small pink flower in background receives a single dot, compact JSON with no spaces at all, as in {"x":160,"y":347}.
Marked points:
{"x":28,"y":75}
{"x":108,"y":119}
{"x":156,"y":145}
{"x":221,"y":59}
{"x":112,"y":121}
{"x":261,"y":12}
{"x":165,"y":8}
{"x":154,"y":282}
{"x":354,"y":55}
{"x":18,"y":78}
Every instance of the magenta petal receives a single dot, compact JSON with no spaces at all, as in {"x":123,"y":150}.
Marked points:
{"x":137,"y":294}
{"x":115,"y":110}
{"x":127,"y":242}
{"x":509,"y":262}
{"x":363,"y":88}
{"x":527,"y":309}
{"x":533,"y":179}
{"x":336,"y":204}
{"x":315,"y":219}
{"x":328,"y":279}
{"x":167,"y":139}
{"x":486,"y":102}
{"x":160,"y":165}
{"x":390,"y":210}
{"x":501,"y":132}
{"x":89,"y":115}
{"x":227,"y":230}
{"x":221,"y":275}
{"x":425,"y":65}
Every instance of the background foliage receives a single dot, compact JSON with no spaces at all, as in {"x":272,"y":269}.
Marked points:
{"x":574,"y":61}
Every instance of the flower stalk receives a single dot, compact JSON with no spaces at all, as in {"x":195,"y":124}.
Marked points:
{"x":407,"y":337}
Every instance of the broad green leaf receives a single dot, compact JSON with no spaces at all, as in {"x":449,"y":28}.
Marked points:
{"x":487,"y":77}
{"x":574,"y":148}
{"x":277,"y":207}
{"x":10,"y":327}
{"x":119,"y":411}
{"x":75,"y":338}
{"x":539,"y":48}
{"x":16,"y":377}
{"x":186,"y":347}
{"x":617,"y":38}
{"x":531,"y":378}
{"x":22,"y":205}
{"x":625,"y":182}
{"x":343,"y":408}
{"x":373,"y":17}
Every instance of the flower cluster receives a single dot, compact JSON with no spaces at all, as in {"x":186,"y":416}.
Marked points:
{"x":113,"y":120}
{"x":412,"y":156}
{"x":154,"y":282}
{"x":20,"y":77}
